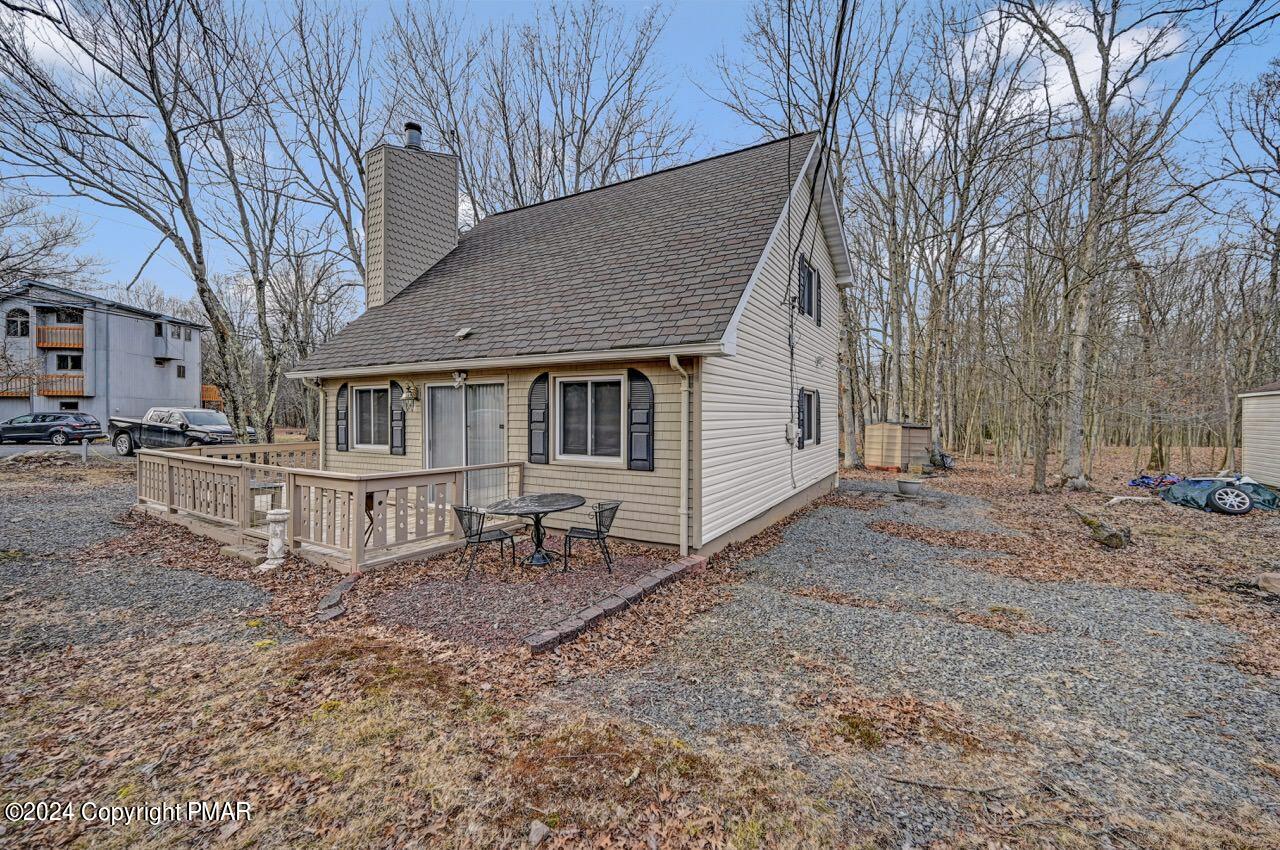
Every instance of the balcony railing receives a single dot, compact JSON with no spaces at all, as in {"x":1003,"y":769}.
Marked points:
{"x":60,"y":336}
{"x":61,"y":385}
{"x":16,"y":388}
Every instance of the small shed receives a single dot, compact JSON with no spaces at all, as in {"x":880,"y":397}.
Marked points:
{"x":1260,"y":433}
{"x":896,"y":445}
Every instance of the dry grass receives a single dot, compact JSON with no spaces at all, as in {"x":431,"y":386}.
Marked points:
{"x":1210,"y":558}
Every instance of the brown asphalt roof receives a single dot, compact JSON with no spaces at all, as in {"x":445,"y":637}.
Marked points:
{"x":1272,"y":387}
{"x":657,"y":260}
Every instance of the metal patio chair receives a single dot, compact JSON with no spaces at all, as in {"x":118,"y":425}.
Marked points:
{"x":471,"y":521}
{"x":604,"y":513}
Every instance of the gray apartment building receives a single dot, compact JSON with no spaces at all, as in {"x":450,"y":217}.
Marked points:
{"x":95,"y":355}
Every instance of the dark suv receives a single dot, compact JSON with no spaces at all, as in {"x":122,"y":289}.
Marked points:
{"x":56,"y":428}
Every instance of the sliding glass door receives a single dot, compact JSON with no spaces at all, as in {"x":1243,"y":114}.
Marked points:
{"x":466,"y":427}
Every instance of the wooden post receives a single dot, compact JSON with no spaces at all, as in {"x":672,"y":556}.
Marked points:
{"x":295,"y":515}
{"x":357,"y":526}
{"x":168,"y":486}
{"x":459,"y":487}
{"x":246,"y":498}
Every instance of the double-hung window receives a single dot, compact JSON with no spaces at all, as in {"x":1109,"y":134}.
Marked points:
{"x":807,"y":288}
{"x":373,"y":417}
{"x":589,"y":413}
{"x":810,"y":423}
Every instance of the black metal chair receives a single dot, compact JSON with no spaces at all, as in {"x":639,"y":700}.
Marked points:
{"x":604,"y":513}
{"x":471,"y":521}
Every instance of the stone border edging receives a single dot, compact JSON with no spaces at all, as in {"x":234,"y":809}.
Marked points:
{"x":575,"y":624}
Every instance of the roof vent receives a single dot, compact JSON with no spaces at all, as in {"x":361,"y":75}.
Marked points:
{"x":462,"y":333}
{"x":413,"y":135}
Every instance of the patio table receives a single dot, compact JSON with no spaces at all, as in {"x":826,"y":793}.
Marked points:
{"x":536,"y":507}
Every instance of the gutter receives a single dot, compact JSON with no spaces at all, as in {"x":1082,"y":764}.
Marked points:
{"x":685,"y":391}
{"x":701,"y":349}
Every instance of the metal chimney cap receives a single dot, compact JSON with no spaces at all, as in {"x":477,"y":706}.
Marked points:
{"x":413,"y":135}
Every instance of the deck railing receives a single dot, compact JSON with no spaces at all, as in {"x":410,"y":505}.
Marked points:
{"x":345,"y":519}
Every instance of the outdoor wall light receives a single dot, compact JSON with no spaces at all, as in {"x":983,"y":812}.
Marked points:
{"x":410,"y":397}
{"x":459,"y":378}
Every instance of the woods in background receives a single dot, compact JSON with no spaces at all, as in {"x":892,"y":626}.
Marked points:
{"x":1048,"y":263}
{"x":1065,"y":227}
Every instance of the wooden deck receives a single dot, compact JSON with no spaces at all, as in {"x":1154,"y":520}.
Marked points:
{"x":344,"y":520}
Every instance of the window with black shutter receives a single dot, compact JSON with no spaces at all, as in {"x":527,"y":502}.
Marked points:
{"x":806,"y":279}
{"x":802,"y":423}
{"x":808,"y":418}
{"x":340,"y":418}
{"x":817,"y":417}
{"x":397,"y":419}
{"x":372,"y":418}
{"x":539,"y":402}
{"x":639,"y":421}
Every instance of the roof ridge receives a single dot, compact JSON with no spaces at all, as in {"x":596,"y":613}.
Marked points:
{"x":666,"y":170}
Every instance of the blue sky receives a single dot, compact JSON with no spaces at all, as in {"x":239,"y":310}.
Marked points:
{"x":696,"y":32}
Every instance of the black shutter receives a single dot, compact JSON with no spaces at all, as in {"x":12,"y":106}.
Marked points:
{"x":801,"y":422}
{"x":817,"y":296}
{"x":817,"y":417}
{"x":639,"y":421}
{"x":341,"y":418}
{"x":802,"y":283}
{"x":538,"y":404}
{"x":397,"y":419}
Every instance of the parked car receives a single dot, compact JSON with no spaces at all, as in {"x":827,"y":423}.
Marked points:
{"x":171,"y":427}
{"x":56,"y":428}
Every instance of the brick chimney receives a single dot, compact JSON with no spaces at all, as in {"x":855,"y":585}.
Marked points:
{"x":411,"y":214}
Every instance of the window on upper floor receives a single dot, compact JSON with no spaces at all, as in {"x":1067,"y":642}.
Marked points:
{"x":182,"y":371}
{"x":808,"y":290}
{"x":70,"y":362}
{"x":17,"y":322}
{"x":68,"y":316}
{"x":159,"y":328}
{"x":186,"y":334}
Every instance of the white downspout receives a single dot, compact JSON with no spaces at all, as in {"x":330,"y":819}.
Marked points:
{"x":684,"y":454}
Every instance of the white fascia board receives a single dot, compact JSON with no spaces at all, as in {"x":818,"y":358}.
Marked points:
{"x":730,"y":338}
{"x":702,"y":349}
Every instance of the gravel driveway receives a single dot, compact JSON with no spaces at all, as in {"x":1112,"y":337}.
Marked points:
{"x":50,"y":598}
{"x":1108,"y":696}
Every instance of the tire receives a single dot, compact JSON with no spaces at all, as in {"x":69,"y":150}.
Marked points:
{"x":123,"y":444}
{"x":191,"y":443}
{"x":58,"y":438}
{"x":1229,"y":499}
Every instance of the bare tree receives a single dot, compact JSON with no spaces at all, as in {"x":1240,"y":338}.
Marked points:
{"x":327,"y":111}
{"x":35,"y":245}
{"x":569,"y":101}
{"x":1129,"y":42}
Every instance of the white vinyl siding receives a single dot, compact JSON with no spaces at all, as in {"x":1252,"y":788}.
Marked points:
{"x":1260,"y":438}
{"x":748,"y":399}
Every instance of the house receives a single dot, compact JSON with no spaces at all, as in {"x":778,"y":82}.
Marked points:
{"x":88,"y":353}
{"x":1260,"y":433}
{"x":669,"y":340}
